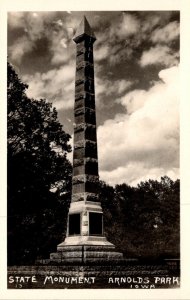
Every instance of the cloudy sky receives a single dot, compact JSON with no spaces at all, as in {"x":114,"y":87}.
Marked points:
{"x":136,"y":57}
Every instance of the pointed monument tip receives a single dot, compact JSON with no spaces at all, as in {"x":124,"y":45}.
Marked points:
{"x":84,"y":29}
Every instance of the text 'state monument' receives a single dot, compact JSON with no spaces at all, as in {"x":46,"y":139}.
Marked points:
{"x":85,"y":240}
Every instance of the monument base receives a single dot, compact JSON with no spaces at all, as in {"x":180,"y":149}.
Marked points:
{"x":84,"y":240}
{"x":85,"y":250}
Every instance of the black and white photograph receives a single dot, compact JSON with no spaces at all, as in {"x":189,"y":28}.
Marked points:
{"x":93,"y":150}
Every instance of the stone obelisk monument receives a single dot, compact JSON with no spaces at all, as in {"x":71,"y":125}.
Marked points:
{"x":85,"y":240}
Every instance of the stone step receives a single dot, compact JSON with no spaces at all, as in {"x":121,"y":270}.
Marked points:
{"x":85,"y":255}
{"x":94,"y":248}
{"x":88,"y":260}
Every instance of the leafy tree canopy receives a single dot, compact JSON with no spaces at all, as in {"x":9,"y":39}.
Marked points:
{"x":37,"y":164}
{"x":143,"y":221}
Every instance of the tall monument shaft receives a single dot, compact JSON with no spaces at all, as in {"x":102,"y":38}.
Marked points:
{"x":85,"y":240}
{"x":85,"y":220}
{"x":85,"y":160}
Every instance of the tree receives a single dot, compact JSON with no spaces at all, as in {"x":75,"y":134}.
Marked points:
{"x":37,"y":166}
{"x":111,"y":214}
{"x":162,"y":202}
{"x":143,"y":221}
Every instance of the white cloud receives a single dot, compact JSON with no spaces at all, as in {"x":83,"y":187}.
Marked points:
{"x":120,"y":41}
{"x":123,"y":85}
{"x":59,"y":23}
{"x":129,"y":25}
{"x":16,"y":19}
{"x":106,"y":87}
{"x":101,"y":53}
{"x":57,"y":86}
{"x":61,"y":52}
{"x":37,"y":26}
{"x":70,"y":154}
{"x":150,"y":22}
{"x":134,"y":100}
{"x":116,"y":42}
{"x":60,"y":42}
{"x":159,"y":55}
{"x":21,"y":46}
{"x":63,"y":43}
{"x":145,"y":143}
{"x":166,"y":34}
{"x":35,"y":15}
{"x":129,"y":171}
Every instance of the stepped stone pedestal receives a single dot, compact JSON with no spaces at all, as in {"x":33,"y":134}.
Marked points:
{"x":85,"y":248}
{"x":85,"y":240}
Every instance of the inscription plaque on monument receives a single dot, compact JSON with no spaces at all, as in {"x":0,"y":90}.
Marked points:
{"x":74,"y":224}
